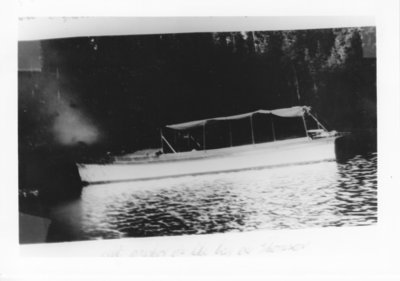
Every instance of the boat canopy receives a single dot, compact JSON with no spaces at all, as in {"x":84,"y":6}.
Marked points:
{"x":295,"y":111}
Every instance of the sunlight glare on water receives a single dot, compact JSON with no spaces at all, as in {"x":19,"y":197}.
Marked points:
{"x":321,"y":194}
{"x":314,"y":195}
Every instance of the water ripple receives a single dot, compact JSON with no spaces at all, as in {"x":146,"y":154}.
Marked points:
{"x":317,"y":195}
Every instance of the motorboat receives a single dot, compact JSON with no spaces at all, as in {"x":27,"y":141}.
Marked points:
{"x":201,"y":156}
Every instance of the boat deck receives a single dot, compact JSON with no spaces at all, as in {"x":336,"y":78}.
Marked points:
{"x":219,"y":152}
{"x":273,"y":154}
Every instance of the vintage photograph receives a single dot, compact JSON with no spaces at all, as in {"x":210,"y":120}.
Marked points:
{"x":176,"y":134}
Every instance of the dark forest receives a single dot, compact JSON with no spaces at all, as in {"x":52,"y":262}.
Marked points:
{"x":99,"y":95}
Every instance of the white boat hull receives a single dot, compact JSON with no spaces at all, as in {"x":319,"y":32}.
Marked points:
{"x":265,"y":155}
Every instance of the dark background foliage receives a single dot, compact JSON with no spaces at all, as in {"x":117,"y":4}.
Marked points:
{"x":112,"y":94}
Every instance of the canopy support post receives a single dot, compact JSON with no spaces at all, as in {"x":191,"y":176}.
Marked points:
{"x":161,"y":139}
{"x":230,"y":134}
{"x":204,"y":137}
{"x":273,"y":128}
{"x":304,"y":123}
{"x":169,"y":145}
{"x":252,"y":129}
{"x":318,"y":123}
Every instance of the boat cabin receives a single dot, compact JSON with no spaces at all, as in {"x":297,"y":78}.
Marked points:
{"x":254,"y":127}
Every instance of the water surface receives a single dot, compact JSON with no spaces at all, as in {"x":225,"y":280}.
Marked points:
{"x":313,"y":195}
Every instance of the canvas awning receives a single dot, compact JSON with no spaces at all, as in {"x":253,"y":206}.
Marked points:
{"x":295,"y":111}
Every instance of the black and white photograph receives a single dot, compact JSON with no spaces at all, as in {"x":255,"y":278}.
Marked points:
{"x":200,"y":140}
{"x":196,"y":133}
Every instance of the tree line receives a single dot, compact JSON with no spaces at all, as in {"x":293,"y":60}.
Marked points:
{"x":130,"y":86}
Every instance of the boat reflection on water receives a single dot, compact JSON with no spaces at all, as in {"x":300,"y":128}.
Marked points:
{"x":314,"y":195}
